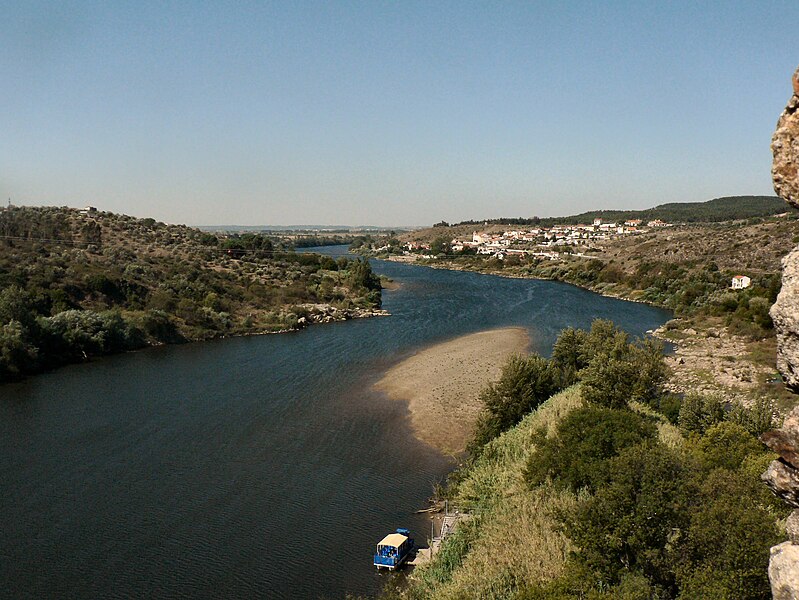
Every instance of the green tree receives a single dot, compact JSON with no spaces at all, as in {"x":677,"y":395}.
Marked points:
{"x":568,"y":354}
{"x":724,"y":552}
{"x":524,"y":384}
{"x":620,"y":371}
{"x":17,"y":352}
{"x":577,"y":455}
{"x":726,"y":445}
{"x":699,"y":413}
{"x":440,"y":245}
{"x":628,"y":524}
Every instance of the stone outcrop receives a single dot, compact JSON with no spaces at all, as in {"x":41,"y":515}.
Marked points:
{"x":785,"y":173}
{"x":782,"y":475}
{"x":782,"y":571}
{"x":785,"y":146}
{"x":785,"y":314}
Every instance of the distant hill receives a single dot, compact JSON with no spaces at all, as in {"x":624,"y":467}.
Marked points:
{"x":77,"y":283}
{"x":729,"y":208}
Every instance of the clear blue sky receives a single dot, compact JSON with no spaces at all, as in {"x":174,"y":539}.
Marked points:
{"x":388,"y":113}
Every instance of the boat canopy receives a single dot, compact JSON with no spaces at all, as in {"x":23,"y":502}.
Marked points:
{"x":393,"y":539}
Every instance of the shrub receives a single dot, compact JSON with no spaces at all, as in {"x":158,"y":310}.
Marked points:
{"x":699,"y":413}
{"x":724,"y":552}
{"x":576,"y":456}
{"x":525,"y":383}
{"x":726,"y":445}
{"x":627,"y":525}
{"x":622,"y":372}
{"x":568,"y":354}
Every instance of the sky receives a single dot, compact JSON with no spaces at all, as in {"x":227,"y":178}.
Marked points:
{"x":388,"y":113}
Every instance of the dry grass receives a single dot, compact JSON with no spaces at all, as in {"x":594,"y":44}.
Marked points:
{"x":668,"y":433}
{"x":514,"y":542}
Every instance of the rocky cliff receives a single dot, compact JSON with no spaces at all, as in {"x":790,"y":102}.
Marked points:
{"x":785,"y":173}
{"x":782,"y":475}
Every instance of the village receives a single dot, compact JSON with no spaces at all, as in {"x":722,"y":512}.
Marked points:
{"x":544,"y":242}
{"x":547,"y":243}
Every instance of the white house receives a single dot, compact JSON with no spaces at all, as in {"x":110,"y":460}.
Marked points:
{"x":740,"y":282}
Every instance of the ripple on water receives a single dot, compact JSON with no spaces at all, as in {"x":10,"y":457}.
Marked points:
{"x":261,"y":466}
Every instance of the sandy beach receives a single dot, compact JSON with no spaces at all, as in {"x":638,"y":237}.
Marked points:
{"x":442,"y":383}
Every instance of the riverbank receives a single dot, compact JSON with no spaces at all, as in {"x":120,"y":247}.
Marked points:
{"x":708,"y":356}
{"x":442,"y":384}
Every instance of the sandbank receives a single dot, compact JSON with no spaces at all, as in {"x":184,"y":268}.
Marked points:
{"x":442,"y":383}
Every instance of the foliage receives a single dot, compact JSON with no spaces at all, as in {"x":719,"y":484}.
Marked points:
{"x":569,"y":354}
{"x":620,"y":371}
{"x":656,"y":516}
{"x":577,"y":455}
{"x":74,"y":284}
{"x":627,"y":525}
{"x":724,"y":552}
{"x":699,"y":413}
{"x":524,"y":384}
{"x":726,"y":445}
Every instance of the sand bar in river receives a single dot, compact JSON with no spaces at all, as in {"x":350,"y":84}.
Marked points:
{"x":442,"y":383}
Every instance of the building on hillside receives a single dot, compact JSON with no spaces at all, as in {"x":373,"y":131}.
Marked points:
{"x":740,"y":282}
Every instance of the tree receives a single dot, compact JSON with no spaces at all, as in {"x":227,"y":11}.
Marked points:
{"x":724,"y":552}
{"x":699,"y":413}
{"x":577,"y":455}
{"x":726,"y":445}
{"x":440,"y":245}
{"x":525,"y":383}
{"x":628,"y":525}
{"x":17,"y":352}
{"x":568,"y":355}
{"x":620,"y":371}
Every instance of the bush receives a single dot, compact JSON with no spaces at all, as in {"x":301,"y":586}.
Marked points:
{"x":524,"y":384}
{"x":699,"y":413}
{"x":627,"y":525}
{"x":724,"y":553}
{"x":576,"y":456}
{"x":568,"y":354}
{"x":622,"y":372}
{"x":726,"y":445}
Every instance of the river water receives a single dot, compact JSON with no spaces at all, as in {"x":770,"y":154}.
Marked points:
{"x":248,"y":467}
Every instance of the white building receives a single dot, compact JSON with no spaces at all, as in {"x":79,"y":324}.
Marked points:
{"x":740,"y":282}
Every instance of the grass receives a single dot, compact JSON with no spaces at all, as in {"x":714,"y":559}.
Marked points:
{"x":512,"y":541}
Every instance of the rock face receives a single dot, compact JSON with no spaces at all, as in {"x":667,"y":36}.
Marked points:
{"x":785,"y":173}
{"x":782,"y":571}
{"x":782,"y":475}
{"x":785,"y":314}
{"x":785,"y":146}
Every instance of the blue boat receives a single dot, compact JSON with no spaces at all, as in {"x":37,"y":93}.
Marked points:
{"x":393,"y":550}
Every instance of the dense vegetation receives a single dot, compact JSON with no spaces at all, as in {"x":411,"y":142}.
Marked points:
{"x":716,"y":210}
{"x":80,"y":283}
{"x":609,"y":489}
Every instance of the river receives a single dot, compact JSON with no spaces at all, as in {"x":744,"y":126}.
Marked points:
{"x":262,"y":466}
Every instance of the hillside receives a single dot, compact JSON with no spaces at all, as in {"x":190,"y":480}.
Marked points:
{"x":728,"y":208}
{"x":76,"y":283}
{"x":608,"y":489}
{"x":725,"y":341}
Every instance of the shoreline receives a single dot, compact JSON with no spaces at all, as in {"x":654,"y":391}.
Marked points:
{"x":452,"y":267}
{"x":702,"y":352}
{"x":316,"y":319}
{"x":442,"y":383}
